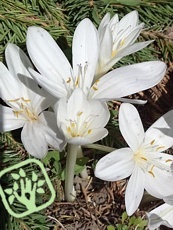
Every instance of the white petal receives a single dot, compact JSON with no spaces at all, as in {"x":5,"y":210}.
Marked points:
{"x":134,"y":190}
{"x":52,"y":87}
{"x":78,"y":103}
{"x":133,"y":101}
{"x":113,"y":23}
{"x":131,"y":126}
{"x":97,"y":134}
{"x":105,"y":48}
{"x":115,"y":166}
{"x":124,"y":51}
{"x":103,"y":23}
{"x":18,"y":64}
{"x":46,"y":55}
{"x":33,"y":139}
{"x":129,"y":21}
{"x":17,"y":61}
{"x":100,"y":112}
{"x":132,"y":49}
{"x":127,"y":80}
{"x":161,"y":215}
{"x":10,"y":87}
{"x":130,"y":38}
{"x":161,"y":132}
{"x":61,"y":111}
{"x":159,"y":183}
{"x":85,"y":52}
{"x":40,"y":103}
{"x":168,"y":199}
{"x":8,"y":121}
{"x":55,"y":140}
{"x":53,"y":135}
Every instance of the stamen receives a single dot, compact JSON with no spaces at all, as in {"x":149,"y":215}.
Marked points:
{"x":114,"y":52}
{"x":72,"y":125}
{"x":160,"y":148}
{"x":95,"y":88}
{"x":16,"y":113}
{"x":168,"y":160}
{"x":143,"y":158}
{"x":85,"y":67}
{"x":152,"y":142}
{"x":24,"y":109}
{"x":15,"y":100}
{"x":79,"y":113}
{"x":69,"y":129}
{"x":25,"y":100}
{"x":89,"y":131}
{"x":150,"y":171}
{"x":68,"y":80}
{"x":77,"y":81}
{"x":122,"y":42}
{"x":96,"y":82}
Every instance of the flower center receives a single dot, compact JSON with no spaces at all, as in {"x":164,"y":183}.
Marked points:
{"x":80,"y":127}
{"x":146,"y":157}
{"x":22,"y":107}
{"x":78,"y":81}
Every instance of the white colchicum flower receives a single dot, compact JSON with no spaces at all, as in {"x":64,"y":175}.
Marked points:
{"x":143,"y":161}
{"x":117,"y":39}
{"x":82,"y":121}
{"x":59,"y":79}
{"x":27,"y":103}
{"x":162,"y":215}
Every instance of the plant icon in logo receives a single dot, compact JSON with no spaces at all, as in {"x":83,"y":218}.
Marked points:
{"x":26,"y":188}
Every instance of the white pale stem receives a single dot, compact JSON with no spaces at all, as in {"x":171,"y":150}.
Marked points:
{"x":100,"y":147}
{"x":70,"y":193}
{"x":84,"y":173}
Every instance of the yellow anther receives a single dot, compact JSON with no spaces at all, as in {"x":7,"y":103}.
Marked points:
{"x":160,"y":148}
{"x":22,"y":106}
{"x":114,"y":53}
{"x":17,"y":99}
{"x":152,"y":142}
{"x":122,"y":42}
{"x":79,"y":113}
{"x":69,"y":80}
{"x":89,"y":131}
{"x":25,"y":100}
{"x":16,"y":113}
{"x":143,"y":158}
{"x":72,"y":125}
{"x":95,"y":88}
{"x":168,"y":160}
{"x":69,"y":129}
{"x":77,"y":81}
{"x":97,"y":82}
{"x":152,"y":167}
{"x":27,"y":112}
{"x":151,"y":173}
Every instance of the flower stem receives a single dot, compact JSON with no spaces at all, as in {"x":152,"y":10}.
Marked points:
{"x":72,"y":151}
{"x":84,"y":173}
{"x":100,"y":147}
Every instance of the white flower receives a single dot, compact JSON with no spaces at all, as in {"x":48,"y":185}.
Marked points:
{"x":59,"y":79}
{"x":149,"y":168}
{"x":82,"y":121}
{"x":117,"y":39}
{"x":26,"y":103}
{"x":162,"y":215}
